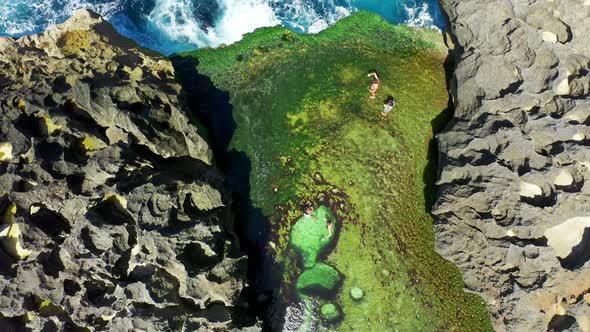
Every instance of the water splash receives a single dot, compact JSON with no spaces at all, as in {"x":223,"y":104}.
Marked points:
{"x":243,"y":16}
{"x":177,"y":25}
{"x":419,"y":16}
{"x":22,"y":17}
{"x":312,"y":17}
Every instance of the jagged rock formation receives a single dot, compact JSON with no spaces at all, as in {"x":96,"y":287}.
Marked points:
{"x":113,"y":217}
{"x":514,"y":204}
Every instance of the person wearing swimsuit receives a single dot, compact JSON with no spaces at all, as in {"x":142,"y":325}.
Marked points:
{"x":330,"y":226}
{"x":374,"y":85}
{"x":388,"y":105}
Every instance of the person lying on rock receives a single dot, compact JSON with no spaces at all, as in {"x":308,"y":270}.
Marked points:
{"x":374,"y":85}
{"x":388,"y":105}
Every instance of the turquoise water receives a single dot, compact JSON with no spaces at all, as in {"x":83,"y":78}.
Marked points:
{"x":177,"y":25}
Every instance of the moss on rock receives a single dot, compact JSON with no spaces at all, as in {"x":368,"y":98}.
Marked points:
{"x":301,"y":107}
{"x":330,"y":311}
{"x":356,"y":293}
{"x":73,"y":42}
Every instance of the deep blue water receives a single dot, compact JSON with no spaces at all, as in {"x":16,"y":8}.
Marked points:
{"x":176,"y":25}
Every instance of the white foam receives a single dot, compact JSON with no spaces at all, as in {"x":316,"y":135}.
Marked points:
{"x":243,"y":16}
{"x":173,"y":20}
{"x":172,"y":26}
{"x":305,"y":17}
{"x":19,"y":17}
{"x":419,"y":16}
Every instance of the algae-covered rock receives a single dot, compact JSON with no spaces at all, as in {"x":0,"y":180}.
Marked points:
{"x":309,"y":236}
{"x":356,"y":293}
{"x":305,"y":129}
{"x":321,"y":279}
{"x":330,"y":311}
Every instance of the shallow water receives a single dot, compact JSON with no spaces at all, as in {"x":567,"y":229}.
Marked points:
{"x":171,"y":26}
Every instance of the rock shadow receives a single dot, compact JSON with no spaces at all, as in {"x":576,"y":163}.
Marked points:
{"x":438,"y":124}
{"x":213,"y":116}
{"x":579,"y":255}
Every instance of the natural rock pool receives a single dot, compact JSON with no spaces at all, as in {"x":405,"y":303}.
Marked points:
{"x":292,"y":121}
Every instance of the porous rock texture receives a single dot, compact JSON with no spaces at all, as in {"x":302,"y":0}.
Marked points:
{"x":113,"y":217}
{"x":515,"y":162}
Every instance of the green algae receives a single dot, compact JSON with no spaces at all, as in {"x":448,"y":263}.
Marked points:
{"x":304,"y":119}
{"x":356,"y":293}
{"x":318,"y":280}
{"x":330,"y":311}
{"x":309,"y":236}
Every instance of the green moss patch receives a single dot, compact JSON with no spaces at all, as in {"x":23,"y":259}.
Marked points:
{"x":73,"y":42}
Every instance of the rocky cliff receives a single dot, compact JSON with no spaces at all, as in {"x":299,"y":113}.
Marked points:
{"x":113,"y":217}
{"x":513,"y":209}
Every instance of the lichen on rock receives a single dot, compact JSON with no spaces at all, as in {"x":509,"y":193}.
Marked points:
{"x":74,"y":41}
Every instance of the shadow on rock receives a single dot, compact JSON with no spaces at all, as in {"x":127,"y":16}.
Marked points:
{"x":213,"y":110}
{"x":438,"y":124}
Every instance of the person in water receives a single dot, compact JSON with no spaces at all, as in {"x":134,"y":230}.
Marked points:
{"x":388,"y":105}
{"x":374,"y":85}
{"x":330,"y":226}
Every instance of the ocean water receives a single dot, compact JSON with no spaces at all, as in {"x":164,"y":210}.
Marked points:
{"x":177,"y":25}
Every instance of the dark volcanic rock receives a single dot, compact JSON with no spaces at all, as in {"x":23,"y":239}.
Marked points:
{"x":514,"y":203}
{"x":113,"y":217}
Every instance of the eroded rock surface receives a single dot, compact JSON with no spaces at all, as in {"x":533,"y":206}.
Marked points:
{"x":514,"y":195}
{"x":112,"y":216}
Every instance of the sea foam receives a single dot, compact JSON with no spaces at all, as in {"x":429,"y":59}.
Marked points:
{"x":178,"y":25}
{"x":21,"y":17}
{"x":419,"y":16}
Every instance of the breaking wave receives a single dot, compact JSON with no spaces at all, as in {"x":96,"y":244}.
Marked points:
{"x":176,"y":25}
